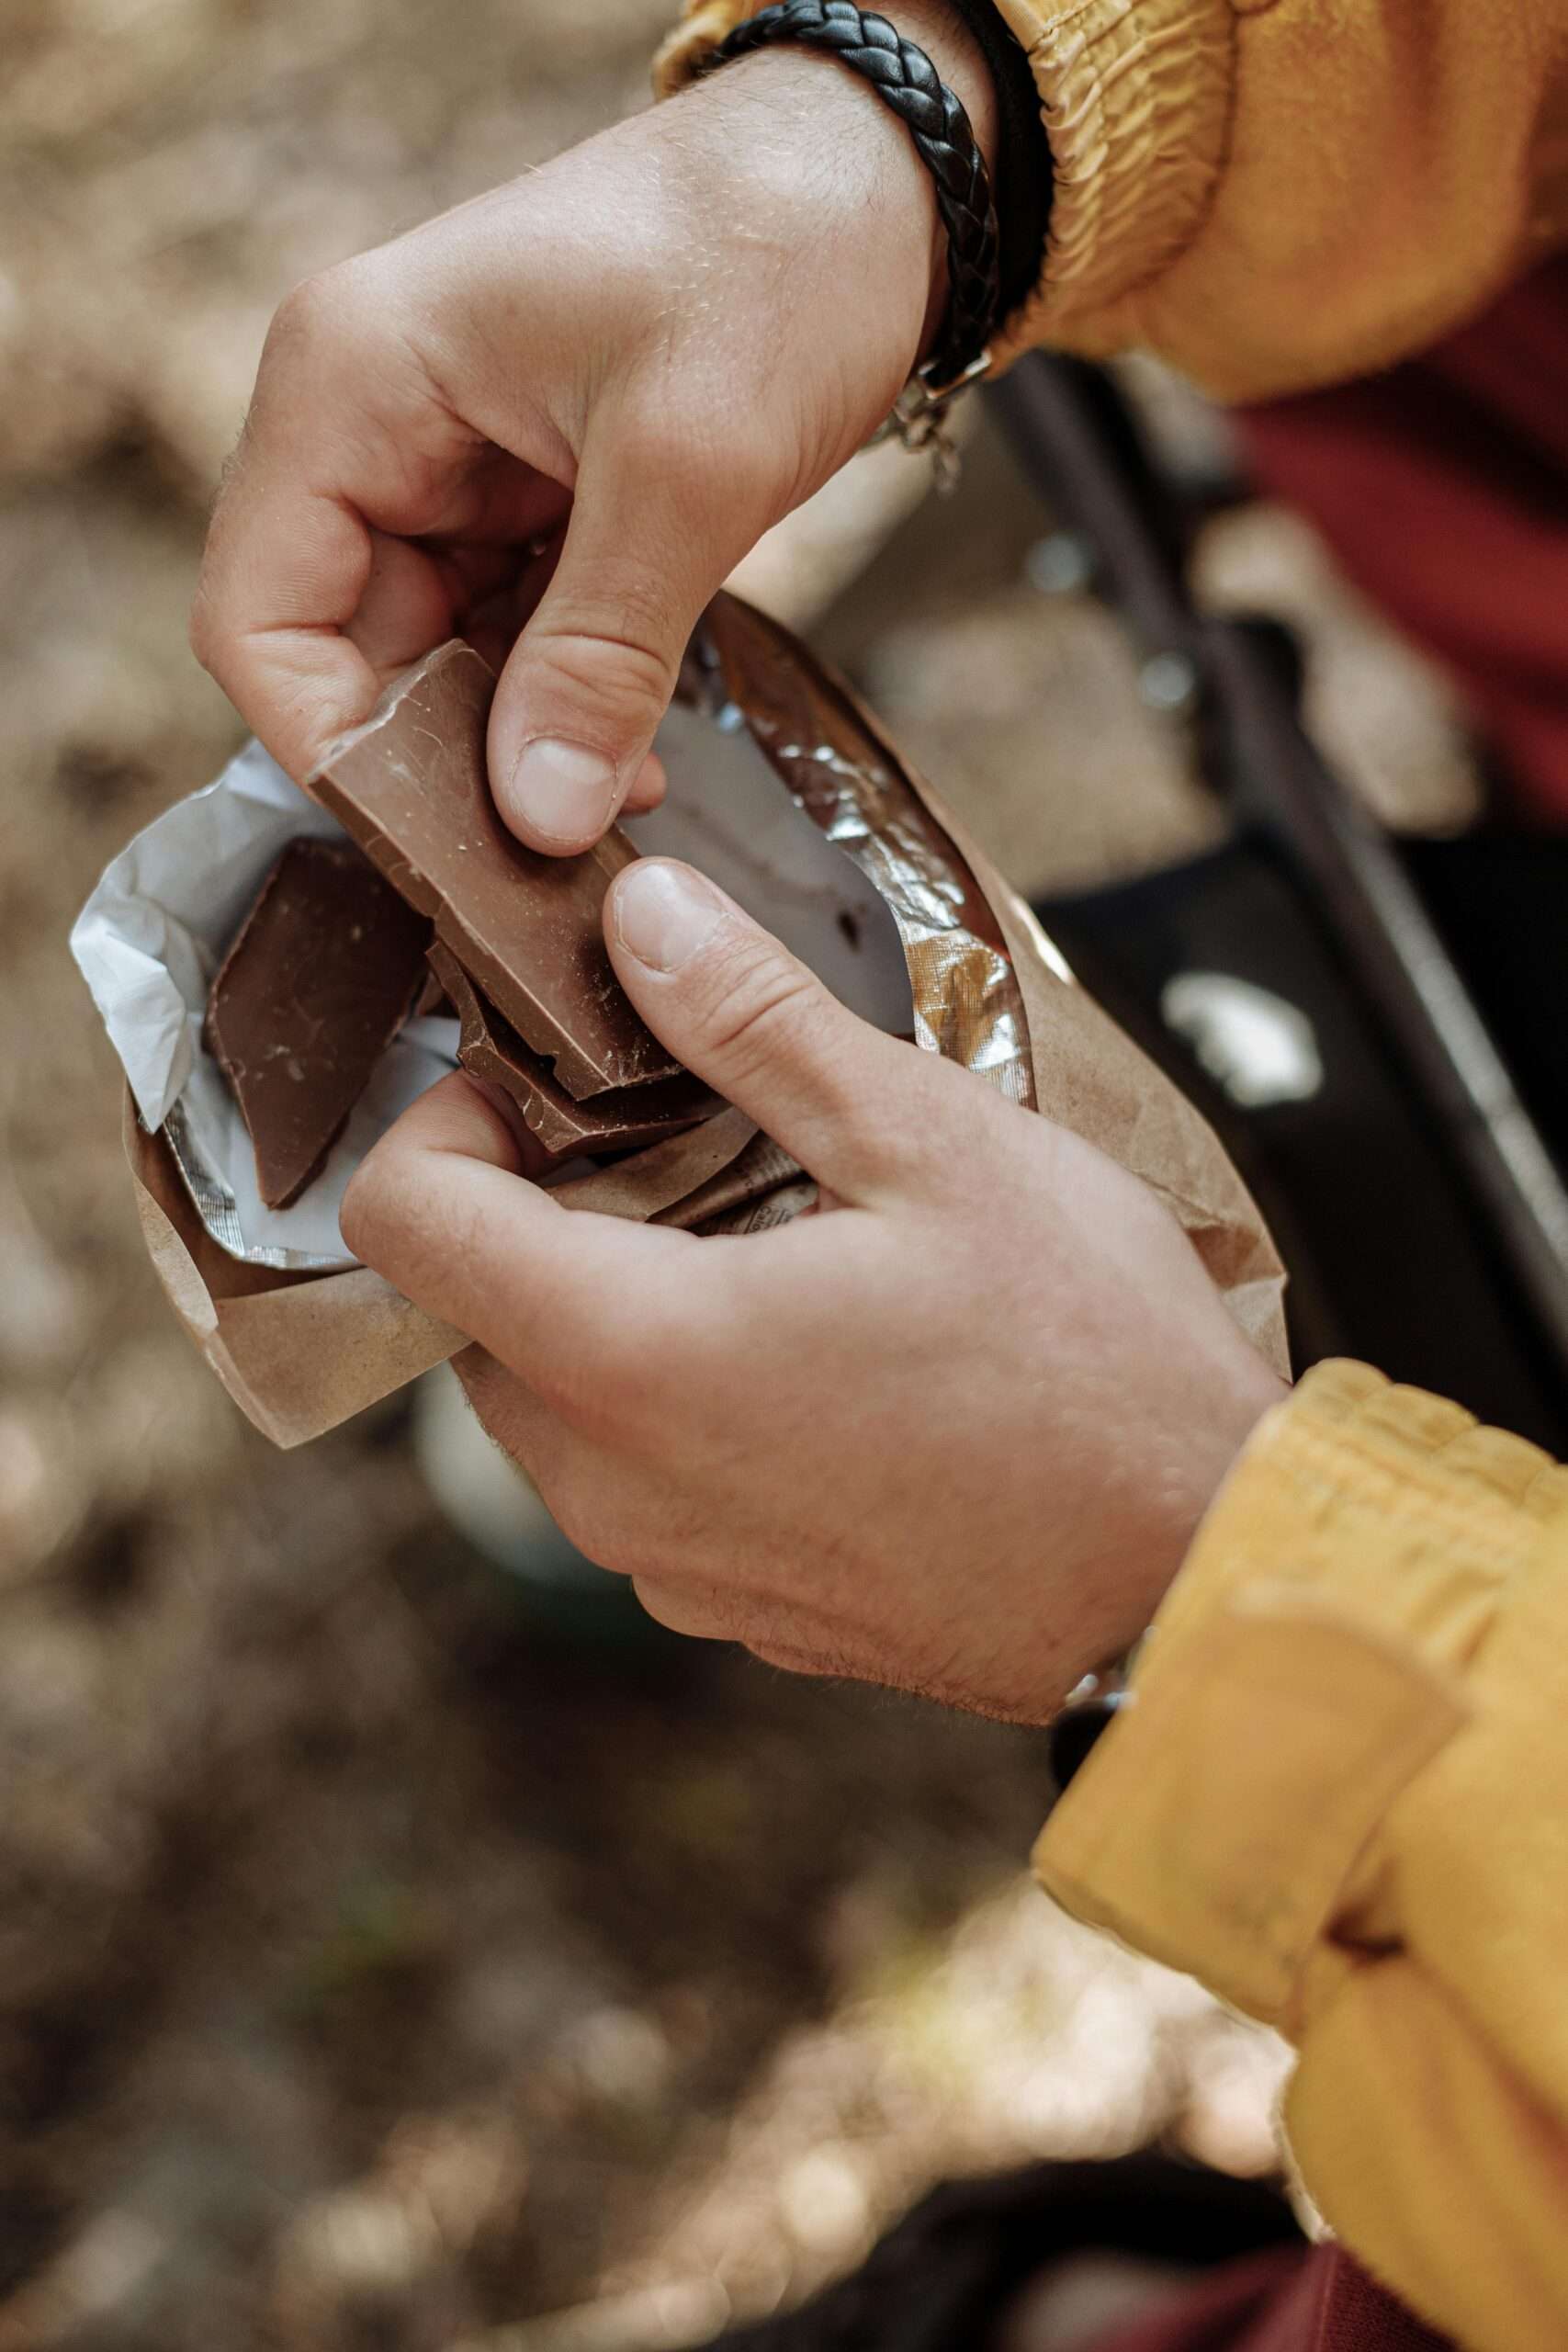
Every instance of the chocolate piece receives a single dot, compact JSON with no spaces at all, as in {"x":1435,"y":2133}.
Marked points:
{"x":411,"y":786}
{"x":432,"y":1001}
{"x":620,"y":1120}
{"x":314,"y":989}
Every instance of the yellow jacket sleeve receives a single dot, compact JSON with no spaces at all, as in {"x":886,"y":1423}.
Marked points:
{"x":1276,"y":193}
{"x":1339,"y":1796}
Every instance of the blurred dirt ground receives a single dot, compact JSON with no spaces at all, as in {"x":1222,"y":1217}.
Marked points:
{"x":374,"y":1972}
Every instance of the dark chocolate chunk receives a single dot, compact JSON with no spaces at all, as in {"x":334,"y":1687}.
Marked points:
{"x":411,"y":786}
{"x":620,"y":1120}
{"x":314,"y":989}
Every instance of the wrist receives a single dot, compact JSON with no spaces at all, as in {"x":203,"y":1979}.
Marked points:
{"x":1237,"y":1394}
{"x":940,"y":31}
{"x":887,"y":192}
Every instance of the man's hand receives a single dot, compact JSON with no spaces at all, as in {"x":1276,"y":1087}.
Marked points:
{"x":954,"y":1435}
{"x":658,"y":346}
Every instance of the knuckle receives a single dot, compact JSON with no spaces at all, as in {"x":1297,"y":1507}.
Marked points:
{"x":393,"y":1220}
{"x":943,"y":1115}
{"x":205,"y":635}
{"x":581,"y":1391}
{"x":608,"y":1392}
{"x":308,"y":314}
{"x":614,"y":658}
{"x":577,"y":1505}
{"x":586,"y":1372}
{"x":667,"y":1606}
{"x":689,"y":1601}
{"x":318,"y":324}
{"x":366,"y":1220}
{"x":754,"y":998}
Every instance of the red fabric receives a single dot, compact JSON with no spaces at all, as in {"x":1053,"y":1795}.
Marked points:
{"x":1219,"y":2312}
{"x":1443,"y":489}
{"x":1319,"y":2302}
{"x":1354,"y":2313}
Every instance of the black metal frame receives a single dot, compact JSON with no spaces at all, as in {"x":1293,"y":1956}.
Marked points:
{"x":1078,"y":444}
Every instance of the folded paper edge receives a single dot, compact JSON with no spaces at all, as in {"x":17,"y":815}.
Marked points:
{"x":299,"y":1354}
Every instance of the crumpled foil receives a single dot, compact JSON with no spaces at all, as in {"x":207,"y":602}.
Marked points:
{"x":854,"y":787}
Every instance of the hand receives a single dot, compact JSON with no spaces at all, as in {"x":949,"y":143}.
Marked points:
{"x":953,"y":1435}
{"x":659,"y":344}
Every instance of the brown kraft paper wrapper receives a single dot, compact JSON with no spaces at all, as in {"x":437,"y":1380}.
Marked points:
{"x":300,"y":1353}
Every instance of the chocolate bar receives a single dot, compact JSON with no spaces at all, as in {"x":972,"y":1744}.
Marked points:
{"x":411,"y":786}
{"x":317,"y":984}
{"x":620,"y":1120}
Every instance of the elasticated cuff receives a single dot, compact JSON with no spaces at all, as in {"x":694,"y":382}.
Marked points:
{"x":1312,"y":1659}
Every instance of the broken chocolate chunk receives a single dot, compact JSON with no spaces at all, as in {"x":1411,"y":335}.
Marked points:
{"x":621,"y":1120}
{"x":313,"y":990}
{"x":411,"y":786}
{"x":432,"y":1001}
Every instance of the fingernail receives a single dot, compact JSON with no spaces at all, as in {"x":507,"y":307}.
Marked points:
{"x":564,"y":791}
{"x":665,"y":913}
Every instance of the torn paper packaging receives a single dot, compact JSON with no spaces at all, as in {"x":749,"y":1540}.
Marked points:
{"x":782,"y":789}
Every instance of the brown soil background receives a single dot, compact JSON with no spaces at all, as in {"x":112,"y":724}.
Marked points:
{"x":376,"y":1967}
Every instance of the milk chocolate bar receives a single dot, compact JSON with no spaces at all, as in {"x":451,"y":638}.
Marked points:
{"x":620,"y":1120}
{"x":317,"y":984}
{"x":411,"y":786}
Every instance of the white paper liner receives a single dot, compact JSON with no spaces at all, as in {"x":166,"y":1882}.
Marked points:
{"x":148,"y":942}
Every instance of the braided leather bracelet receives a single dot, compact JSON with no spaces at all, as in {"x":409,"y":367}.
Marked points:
{"x":905,"y":78}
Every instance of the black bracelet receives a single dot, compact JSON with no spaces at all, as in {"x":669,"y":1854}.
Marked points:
{"x":941,"y":131}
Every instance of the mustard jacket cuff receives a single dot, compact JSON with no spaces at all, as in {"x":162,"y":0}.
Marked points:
{"x":1339,"y":1797}
{"x":1273,"y":194}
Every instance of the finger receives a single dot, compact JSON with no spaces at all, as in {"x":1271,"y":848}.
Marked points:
{"x":344,"y":441}
{"x":494,"y":622}
{"x":860,"y":1110}
{"x":292,"y":578}
{"x":648,"y":788}
{"x":685,"y":1611}
{"x":283,"y":575}
{"x":412,"y":599}
{"x":581,"y":1306}
{"x":650,"y":542}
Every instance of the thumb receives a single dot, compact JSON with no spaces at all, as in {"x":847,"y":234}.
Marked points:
{"x":648,"y":545}
{"x":859,"y":1110}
